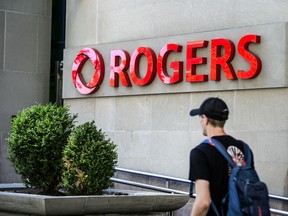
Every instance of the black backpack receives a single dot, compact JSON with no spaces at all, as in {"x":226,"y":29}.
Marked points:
{"x":247,"y":195}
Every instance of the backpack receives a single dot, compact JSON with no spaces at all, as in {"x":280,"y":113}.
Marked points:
{"x":247,"y":195}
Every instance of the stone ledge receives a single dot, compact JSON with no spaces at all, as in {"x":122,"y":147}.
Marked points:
{"x":141,"y":202}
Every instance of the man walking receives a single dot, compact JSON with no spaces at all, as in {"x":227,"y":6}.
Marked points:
{"x":208,"y":168}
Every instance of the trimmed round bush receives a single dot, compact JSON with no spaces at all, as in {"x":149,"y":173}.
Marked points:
{"x":36,"y":142}
{"x":90,"y":159}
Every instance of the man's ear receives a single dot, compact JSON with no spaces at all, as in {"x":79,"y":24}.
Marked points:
{"x":206,"y":119}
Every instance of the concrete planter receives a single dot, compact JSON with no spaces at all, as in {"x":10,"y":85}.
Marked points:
{"x":134,"y":202}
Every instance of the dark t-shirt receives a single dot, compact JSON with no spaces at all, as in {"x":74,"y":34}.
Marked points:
{"x":208,"y":164}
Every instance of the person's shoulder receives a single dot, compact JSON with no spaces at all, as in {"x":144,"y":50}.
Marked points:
{"x":202,"y":147}
{"x":200,"y":153}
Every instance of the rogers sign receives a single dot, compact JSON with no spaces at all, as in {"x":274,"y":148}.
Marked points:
{"x":126,"y":69}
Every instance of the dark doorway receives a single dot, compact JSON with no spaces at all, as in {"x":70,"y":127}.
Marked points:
{"x":57,"y":48}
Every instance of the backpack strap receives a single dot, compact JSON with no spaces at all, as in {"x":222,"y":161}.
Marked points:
{"x":215,"y":209}
{"x":219,"y":146}
{"x":248,"y":154}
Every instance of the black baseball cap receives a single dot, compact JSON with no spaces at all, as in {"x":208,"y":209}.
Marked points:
{"x":213,"y":108}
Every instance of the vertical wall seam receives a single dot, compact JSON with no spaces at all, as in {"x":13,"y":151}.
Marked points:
{"x":4,"y":40}
{"x":37,"y":44}
{"x":97,"y":24}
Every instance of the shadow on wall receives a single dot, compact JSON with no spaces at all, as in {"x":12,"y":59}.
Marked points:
{"x":7,"y":170}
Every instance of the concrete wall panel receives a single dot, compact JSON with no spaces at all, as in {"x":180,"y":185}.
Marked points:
{"x":81,"y":24}
{"x":87,"y":107}
{"x":211,"y":15}
{"x":172,"y":17}
{"x":134,"y":113}
{"x":37,"y":7}
{"x":7,"y":169}
{"x":2,"y":33}
{"x":14,"y":98}
{"x":249,"y":107}
{"x":21,"y":54}
{"x":169,"y":112}
{"x":105,"y":113}
{"x":260,"y":12}
{"x":44,"y":45}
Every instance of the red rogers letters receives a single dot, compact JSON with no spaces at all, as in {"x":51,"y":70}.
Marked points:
{"x":126,"y":69}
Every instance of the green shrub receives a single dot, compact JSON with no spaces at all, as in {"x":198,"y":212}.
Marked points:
{"x":89,"y":159}
{"x":36,"y":141}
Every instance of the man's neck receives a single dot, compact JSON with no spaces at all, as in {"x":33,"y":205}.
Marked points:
{"x":215,"y":131}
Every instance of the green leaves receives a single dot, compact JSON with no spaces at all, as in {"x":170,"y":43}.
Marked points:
{"x":89,"y":160}
{"x":36,"y":141}
{"x":48,"y":151}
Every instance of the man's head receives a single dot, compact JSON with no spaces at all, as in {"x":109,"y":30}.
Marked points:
{"x":213,"y":111}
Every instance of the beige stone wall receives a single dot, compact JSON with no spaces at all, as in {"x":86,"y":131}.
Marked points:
{"x":25,"y":40}
{"x":155,"y":133}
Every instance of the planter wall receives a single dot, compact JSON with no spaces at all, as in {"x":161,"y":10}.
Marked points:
{"x":135,"y":202}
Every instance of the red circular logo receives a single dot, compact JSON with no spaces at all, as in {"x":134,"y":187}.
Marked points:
{"x":94,"y":84}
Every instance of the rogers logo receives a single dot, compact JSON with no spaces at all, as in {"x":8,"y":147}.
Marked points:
{"x":126,"y":69}
{"x":97,"y":60}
